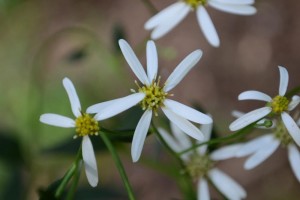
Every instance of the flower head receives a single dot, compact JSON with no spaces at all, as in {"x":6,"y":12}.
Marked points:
{"x":84,"y":125}
{"x":200,"y":164}
{"x":152,"y":96}
{"x":168,"y":18}
{"x":280,"y":105}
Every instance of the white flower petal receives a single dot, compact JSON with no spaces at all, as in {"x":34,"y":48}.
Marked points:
{"x":152,"y":62}
{"x":206,"y":129}
{"x":57,"y":120}
{"x":294,"y":158}
{"x":254,"y":95}
{"x":73,"y":97}
{"x":89,"y":160}
{"x":207,"y":27}
{"x":294,"y":102}
{"x":237,"y":114}
{"x":170,"y":140}
{"x":140,"y":134}
{"x":227,"y":186}
{"x":236,"y":2}
{"x":111,"y":108}
{"x":291,"y":126}
{"x":164,"y":15}
{"x":170,"y":22}
{"x":187,"y":112}
{"x":233,"y":9}
{"x":133,"y":62}
{"x":182,"y":69}
{"x":284,"y":80}
{"x":225,"y":152}
{"x":261,"y":155}
{"x":249,"y":118}
{"x":254,"y":145}
{"x":203,"y":191}
{"x":180,"y":136}
{"x":184,"y":124}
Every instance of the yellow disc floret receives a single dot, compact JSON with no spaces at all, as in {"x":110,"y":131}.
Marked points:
{"x":279,"y":104}
{"x":195,"y":3}
{"x":154,"y":96}
{"x":199,"y":165}
{"x":86,"y":125}
{"x":282,"y":134}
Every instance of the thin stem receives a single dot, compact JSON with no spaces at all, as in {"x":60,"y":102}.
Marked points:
{"x":221,"y":139}
{"x":118,"y":164}
{"x":150,"y":6}
{"x":71,"y":192}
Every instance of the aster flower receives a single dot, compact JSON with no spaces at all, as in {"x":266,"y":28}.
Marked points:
{"x":167,"y":19}
{"x":280,"y":105}
{"x":200,"y":164}
{"x":152,"y":96}
{"x":84,"y":125}
{"x":261,"y":148}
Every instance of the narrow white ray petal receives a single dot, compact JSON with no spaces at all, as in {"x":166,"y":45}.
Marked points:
{"x":170,"y":22}
{"x":254,"y":145}
{"x":140,"y":134}
{"x":206,"y":129}
{"x":57,"y":120}
{"x":233,"y":9}
{"x":207,"y":26}
{"x":164,"y":15}
{"x":291,"y":126}
{"x":184,"y":124}
{"x":89,"y":160}
{"x":254,"y":95}
{"x":180,"y":136}
{"x":73,"y":97}
{"x":170,"y":140}
{"x":182,"y":69}
{"x":294,"y":158}
{"x":294,"y":102}
{"x":133,"y":62}
{"x":202,"y":191}
{"x":187,"y":112}
{"x":284,"y":80}
{"x":236,"y":2}
{"x":249,"y":118}
{"x":225,"y":152}
{"x":261,"y":155}
{"x":152,"y":62}
{"x":237,"y":114}
{"x":227,"y":186}
{"x":111,"y":108}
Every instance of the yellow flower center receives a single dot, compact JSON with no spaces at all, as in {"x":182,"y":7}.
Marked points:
{"x":155,"y":96}
{"x":86,"y":125}
{"x":195,"y":3}
{"x":279,"y":104}
{"x":282,"y":134}
{"x":199,"y":165}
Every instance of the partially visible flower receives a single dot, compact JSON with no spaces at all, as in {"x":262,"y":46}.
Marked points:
{"x":84,"y":125}
{"x":152,"y":96}
{"x":168,"y":18}
{"x":279,"y":105}
{"x":261,"y":148}
{"x":200,"y":164}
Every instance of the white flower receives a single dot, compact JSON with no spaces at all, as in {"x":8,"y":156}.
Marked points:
{"x":168,"y":18}
{"x":152,"y":96}
{"x":261,"y":148}
{"x":85,"y":125}
{"x":200,"y":163}
{"x":279,"y":105}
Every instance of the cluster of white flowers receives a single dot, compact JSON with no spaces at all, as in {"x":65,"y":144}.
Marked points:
{"x":152,"y":96}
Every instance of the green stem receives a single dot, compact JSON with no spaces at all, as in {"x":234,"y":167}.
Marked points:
{"x":118,"y":164}
{"x":73,"y":188}
{"x":70,"y":173}
{"x":221,"y":139}
{"x":184,"y":180}
{"x":150,"y":6}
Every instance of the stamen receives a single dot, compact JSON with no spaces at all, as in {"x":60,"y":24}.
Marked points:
{"x":279,"y":104}
{"x":86,"y":125}
{"x":195,"y":3}
{"x":282,"y":134}
{"x":199,"y":165}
